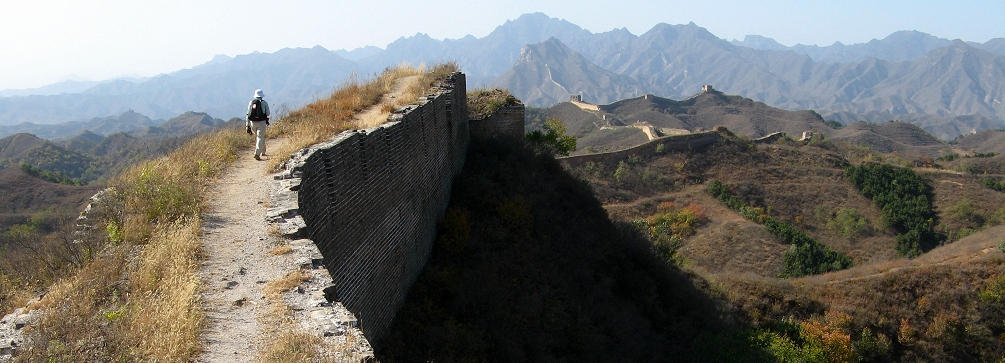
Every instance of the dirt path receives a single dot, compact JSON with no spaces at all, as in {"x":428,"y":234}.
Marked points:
{"x":237,"y":262}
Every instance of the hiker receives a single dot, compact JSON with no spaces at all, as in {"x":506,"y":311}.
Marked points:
{"x":258,"y":118}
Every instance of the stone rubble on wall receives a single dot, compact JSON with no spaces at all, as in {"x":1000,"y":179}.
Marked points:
{"x":12,"y":331}
{"x":313,"y":307}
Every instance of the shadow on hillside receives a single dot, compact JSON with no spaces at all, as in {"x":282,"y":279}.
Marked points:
{"x":528,"y":267}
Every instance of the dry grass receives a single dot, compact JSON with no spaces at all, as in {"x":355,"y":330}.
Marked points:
{"x":137,"y":300}
{"x":483,"y":102}
{"x":281,"y":250}
{"x":327,"y":117}
{"x":273,"y":289}
{"x":163,"y":311}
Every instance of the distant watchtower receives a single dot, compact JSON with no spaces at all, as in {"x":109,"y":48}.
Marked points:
{"x":576,"y":98}
{"x":706,"y":88}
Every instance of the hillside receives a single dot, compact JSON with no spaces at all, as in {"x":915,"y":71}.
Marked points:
{"x":804,"y":185}
{"x":21,"y":195}
{"x":88,"y":156}
{"x":891,"y":137}
{"x":188,"y":123}
{"x":123,"y":122}
{"x":984,"y":141}
{"x":943,"y":127}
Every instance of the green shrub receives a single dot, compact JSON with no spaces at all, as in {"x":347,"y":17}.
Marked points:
{"x":948,"y":157}
{"x":553,"y":138}
{"x":993,"y":185}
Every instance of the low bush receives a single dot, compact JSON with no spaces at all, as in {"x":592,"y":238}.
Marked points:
{"x":668,"y":228}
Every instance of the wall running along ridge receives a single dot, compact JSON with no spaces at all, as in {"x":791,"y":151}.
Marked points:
{"x":650,"y":149}
{"x":370,"y":199}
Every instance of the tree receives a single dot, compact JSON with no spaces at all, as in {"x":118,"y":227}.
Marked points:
{"x":553,"y":138}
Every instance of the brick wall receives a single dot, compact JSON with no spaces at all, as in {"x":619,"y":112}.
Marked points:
{"x":370,"y":200}
{"x":506,"y":121}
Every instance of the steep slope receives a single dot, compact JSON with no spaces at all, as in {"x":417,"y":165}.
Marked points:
{"x":549,"y":72}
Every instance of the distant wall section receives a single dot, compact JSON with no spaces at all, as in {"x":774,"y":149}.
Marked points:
{"x":649,"y":149}
{"x":370,"y":200}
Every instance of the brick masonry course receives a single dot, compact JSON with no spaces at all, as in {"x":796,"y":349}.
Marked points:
{"x":370,"y":200}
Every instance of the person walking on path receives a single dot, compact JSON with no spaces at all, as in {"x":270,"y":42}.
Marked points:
{"x":258,"y":119}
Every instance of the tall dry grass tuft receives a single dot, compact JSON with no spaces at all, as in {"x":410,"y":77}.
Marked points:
{"x":163,"y":316}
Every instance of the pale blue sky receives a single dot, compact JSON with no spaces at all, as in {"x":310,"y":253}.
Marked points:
{"x":48,"y":40}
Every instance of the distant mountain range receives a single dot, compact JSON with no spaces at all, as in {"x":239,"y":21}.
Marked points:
{"x":904,"y":45}
{"x":544,"y":60}
{"x":129,"y":122}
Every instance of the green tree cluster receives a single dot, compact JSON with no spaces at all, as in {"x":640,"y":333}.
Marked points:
{"x":53,"y":176}
{"x":903,"y":198}
{"x":806,"y":256}
{"x":553,"y":138}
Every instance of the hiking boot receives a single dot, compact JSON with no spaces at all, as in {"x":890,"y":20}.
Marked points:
{"x":257,"y":157}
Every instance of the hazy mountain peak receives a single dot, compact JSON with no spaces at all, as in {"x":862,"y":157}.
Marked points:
{"x":760,"y":42}
{"x":220,"y":58}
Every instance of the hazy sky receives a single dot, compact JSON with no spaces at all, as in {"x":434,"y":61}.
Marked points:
{"x":47,"y":40}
